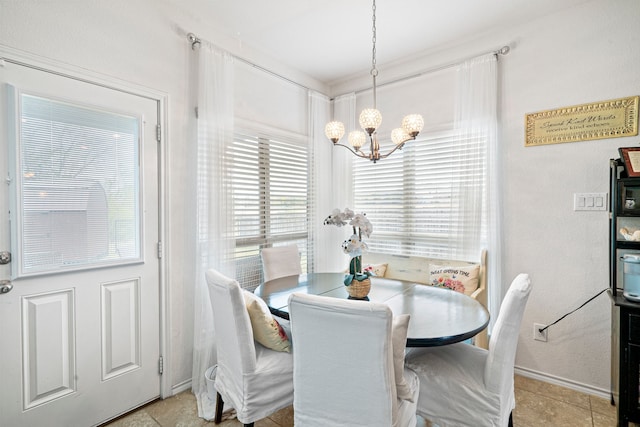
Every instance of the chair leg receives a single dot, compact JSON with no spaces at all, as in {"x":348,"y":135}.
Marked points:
{"x":511,"y":419}
{"x":219,"y":406}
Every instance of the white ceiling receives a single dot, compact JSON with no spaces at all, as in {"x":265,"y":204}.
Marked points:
{"x":331,"y":39}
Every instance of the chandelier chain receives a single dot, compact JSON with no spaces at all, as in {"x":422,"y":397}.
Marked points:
{"x":374,"y":70}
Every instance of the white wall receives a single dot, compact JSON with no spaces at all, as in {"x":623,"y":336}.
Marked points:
{"x":556,"y":64}
{"x":582,"y":55}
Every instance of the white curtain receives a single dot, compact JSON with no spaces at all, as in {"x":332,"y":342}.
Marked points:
{"x":476,"y":120}
{"x":214,"y":222}
{"x":344,"y":110}
{"x":340,"y":183}
{"x":321,"y":153}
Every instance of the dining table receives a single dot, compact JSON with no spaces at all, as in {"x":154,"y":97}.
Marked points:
{"x":439,"y":316}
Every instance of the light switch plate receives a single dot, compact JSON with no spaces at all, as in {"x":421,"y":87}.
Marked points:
{"x":590,"y":201}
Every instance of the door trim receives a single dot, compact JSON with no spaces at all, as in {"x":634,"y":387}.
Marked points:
{"x":48,"y":65}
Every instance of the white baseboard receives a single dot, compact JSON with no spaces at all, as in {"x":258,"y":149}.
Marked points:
{"x":563,"y":382}
{"x":180,"y":387}
{"x":529,"y":373}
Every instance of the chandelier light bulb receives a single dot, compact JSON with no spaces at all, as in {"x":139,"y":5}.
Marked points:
{"x":370,"y":120}
{"x":399,"y":135}
{"x":334,"y":131}
{"x":413,"y":124}
{"x":357,"y":139}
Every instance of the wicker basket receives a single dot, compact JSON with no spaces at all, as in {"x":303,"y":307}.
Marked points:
{"x":359,"y":289}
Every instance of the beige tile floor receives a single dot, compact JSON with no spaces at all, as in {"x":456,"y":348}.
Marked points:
{"x":537,"y":404}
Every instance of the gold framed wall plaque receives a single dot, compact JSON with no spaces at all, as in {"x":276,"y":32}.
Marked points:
{"x":599,"y":120}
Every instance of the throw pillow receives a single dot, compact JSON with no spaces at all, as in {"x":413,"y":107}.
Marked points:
{"x":459,"y":278}
{"x":266,"y":329}
{"x":399,"y":341}
{"x":378,"y":269}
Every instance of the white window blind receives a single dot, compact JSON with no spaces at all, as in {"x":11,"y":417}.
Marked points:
{"x":271,"y":200}
{"x":427,"y":199}
{"x":78,"y":181}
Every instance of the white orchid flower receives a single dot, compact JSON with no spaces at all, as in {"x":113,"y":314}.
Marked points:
{"x":336,"y":218}
{"x":362,"y":222}
{"x":348,"y":213}
{"x":352,"y":246}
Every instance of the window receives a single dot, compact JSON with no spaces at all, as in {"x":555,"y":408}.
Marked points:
{"x":269,"y":180}
{"x":78,"y":191}
{"x":427,"y":199}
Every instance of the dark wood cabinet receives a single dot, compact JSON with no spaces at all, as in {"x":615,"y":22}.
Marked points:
{"x":628,"y":361}
{"x":624,"y":208}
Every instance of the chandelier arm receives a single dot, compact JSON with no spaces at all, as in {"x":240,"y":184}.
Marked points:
{"x":397,"y":147}
{"x":357,"y":153}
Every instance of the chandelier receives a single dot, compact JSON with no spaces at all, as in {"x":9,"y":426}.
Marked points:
{"x":370,"y":120}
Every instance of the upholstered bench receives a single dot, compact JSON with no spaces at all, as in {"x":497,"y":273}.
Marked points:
{"x":455,"y":274}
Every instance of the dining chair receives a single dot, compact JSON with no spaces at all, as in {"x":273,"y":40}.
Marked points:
{"x":349,"y":364}
{"x":280,"y":261}
{"x":255,"y":380}
{"x":464,"y":385}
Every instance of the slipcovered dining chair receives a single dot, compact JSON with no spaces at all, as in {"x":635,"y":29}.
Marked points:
{"x":464,"y":385}
{"x":280,"y":261}
{"x":345,"y":372}
{"x":255,"y":380}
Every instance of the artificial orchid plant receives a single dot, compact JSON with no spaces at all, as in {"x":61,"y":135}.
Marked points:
{"x":354,"y":246}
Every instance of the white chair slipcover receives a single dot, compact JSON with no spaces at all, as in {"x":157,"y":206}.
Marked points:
{"x":343,"y":365}
{"x":255,"y":380}
{"x":464,"y":385}
{"x":280,"y":261}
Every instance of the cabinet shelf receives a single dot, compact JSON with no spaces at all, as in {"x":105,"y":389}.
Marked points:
{"x":624,"y":208}
{"x":627,"y":244}
{"x":621,"y":301}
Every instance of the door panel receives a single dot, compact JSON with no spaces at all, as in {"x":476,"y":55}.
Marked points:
{"x":48,"y":346}
{"x":79,"y":344}
{"x":120,"y":308}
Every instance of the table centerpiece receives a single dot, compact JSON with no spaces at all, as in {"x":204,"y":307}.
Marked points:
{"x":357,"y":280}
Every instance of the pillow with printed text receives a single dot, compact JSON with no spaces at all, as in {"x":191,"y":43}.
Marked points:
{"x":459,"y":278}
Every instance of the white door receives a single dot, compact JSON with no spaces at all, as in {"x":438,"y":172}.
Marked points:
{"x":79,"y":329}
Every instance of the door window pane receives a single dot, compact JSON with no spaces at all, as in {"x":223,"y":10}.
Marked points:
{"x":78,"y":191}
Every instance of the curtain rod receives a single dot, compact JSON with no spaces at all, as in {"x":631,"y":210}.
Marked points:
{"x":196,"y":41}
{"x":502,"y":51}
